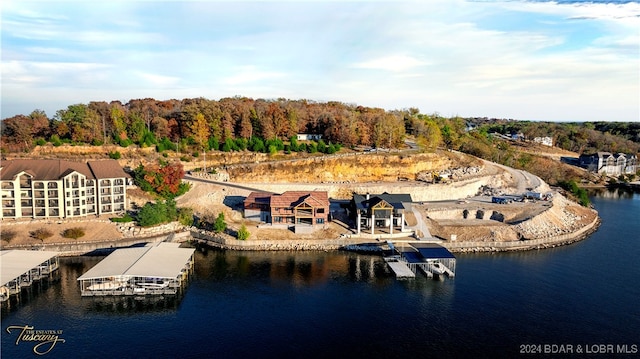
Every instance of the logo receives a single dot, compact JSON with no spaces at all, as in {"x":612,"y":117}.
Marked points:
{"x":44,"y":340}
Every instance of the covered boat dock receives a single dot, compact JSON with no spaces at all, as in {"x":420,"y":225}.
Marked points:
{"x":161,"y":268}
{"x":21,"y":268}
{"x":429,"y":258}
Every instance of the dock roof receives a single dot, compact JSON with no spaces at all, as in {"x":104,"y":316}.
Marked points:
{"x":15,"y":263}
{"x":432,"y":250}
{"x":164,"y":260}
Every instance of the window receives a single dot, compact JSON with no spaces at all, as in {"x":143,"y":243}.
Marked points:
{"x":320,"y":210}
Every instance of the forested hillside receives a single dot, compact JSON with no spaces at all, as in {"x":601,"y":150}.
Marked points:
{"x":190,"y":126}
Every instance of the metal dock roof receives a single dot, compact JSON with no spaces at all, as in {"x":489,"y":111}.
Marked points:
{"x":432,"y":250}
{"x":164,"y":260}
{"x":15,"y":263}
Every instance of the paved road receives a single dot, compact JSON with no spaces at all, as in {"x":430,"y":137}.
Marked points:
{"x":420,"y":226}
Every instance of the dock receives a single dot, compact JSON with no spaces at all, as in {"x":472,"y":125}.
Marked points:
{"x":20,"y":269}
{"x":430,"y":259}
{"x":156,"y":269}
{"x":400,"y":268}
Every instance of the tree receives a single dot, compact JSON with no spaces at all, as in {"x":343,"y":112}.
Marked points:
{"x":243,"y":233}
{"x":220,"y":225}
{"x":84,"y":123}
{"x":164,"y":179}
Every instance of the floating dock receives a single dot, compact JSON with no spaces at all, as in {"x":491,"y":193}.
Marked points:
{"x":400,"y":268}
{"x":155,"y":269}
{"x":431,"y":259}
{"x":19,"y":269}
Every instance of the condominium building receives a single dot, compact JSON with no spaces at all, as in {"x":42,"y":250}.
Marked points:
{"x":61,"y":189}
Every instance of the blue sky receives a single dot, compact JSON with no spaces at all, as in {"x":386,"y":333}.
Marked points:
{"x":527,"y":60}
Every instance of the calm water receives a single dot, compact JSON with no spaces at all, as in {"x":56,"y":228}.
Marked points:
{"x":245,"y":304}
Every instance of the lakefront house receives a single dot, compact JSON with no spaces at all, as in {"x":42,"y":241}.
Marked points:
{"x":609,"y":164}
{"x":61,"y":189}
{"x":383,"y":211}
{"x":304,"y":211}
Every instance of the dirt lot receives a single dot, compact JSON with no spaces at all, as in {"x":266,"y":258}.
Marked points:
{"x":19,"y":232}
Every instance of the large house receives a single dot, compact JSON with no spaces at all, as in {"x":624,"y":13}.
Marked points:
{"x":61,"y":189}
{"x":380,"y":211}
{"x":305,"y":211}
{"x":609,"y":164}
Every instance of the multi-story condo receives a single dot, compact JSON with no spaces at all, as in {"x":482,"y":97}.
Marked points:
{"x":609,"y":164}
{"x":61,"y":189}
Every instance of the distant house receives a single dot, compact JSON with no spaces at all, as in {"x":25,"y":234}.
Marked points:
{"x":609,"y":164}
{"x":547,"y":141}
{"x":380,"y":211}
{"x":308,"y":137}
{"x":305,"y":211}
{"x":61,"y":189}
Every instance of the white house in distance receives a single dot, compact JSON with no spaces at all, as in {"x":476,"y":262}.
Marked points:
{"x":547,"y":141}
{"x":61,"y":189}
{"x":308,"y":137}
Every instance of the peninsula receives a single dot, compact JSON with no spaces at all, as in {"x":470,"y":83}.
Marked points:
{"x":451,"y":204}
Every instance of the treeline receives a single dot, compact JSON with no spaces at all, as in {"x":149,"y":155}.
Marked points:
{"x":226,"y":124}
{"x":587,"y":137}
{"x":240,"y":123}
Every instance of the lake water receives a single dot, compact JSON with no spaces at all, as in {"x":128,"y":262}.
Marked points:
{"x":318,"y":304}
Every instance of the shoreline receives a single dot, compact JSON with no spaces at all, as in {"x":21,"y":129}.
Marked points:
{"x":76,"y":249}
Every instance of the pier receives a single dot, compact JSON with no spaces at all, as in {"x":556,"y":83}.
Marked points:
{"x":430,"y":259}
{"x":21,"y":268}
{"x":400,"y":268}
{"x":156,"y":269}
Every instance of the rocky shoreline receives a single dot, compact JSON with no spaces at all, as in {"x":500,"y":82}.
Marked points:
{"x":213,"y":240}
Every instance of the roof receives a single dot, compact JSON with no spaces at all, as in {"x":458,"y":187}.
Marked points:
{"x":15,"y":263}
{"x":51,"y":170}
{"x":258,"y":197}
{"x":290,"y":198}
{"x":432,"y":250}
{"x":396,"y":200}
{"x":106,"y":169}
{"x":412,"y":257}
{"x":163,"y":260}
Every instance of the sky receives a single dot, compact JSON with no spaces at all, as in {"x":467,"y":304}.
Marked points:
{"x":525,"y":60}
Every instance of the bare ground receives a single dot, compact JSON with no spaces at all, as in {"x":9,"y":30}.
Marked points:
{"x":18,"y":233}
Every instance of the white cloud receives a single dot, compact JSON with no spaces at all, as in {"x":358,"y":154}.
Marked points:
{"x":452,"y":57}
{"x":391,"y":63}
{"x":156,"y":80}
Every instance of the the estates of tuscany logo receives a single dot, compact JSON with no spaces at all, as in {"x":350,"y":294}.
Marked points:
{"x":43,"y":340}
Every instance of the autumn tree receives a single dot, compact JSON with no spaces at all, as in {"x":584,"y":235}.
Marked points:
{"x":163,"y":179}
{"x":83,"y":123}
{"x":18,"y":129}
